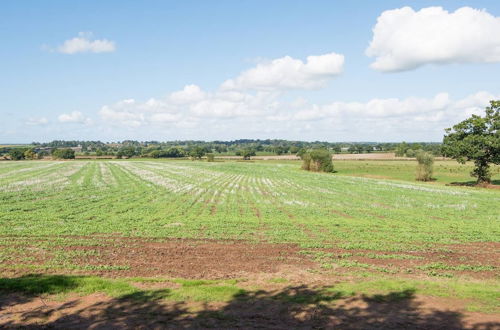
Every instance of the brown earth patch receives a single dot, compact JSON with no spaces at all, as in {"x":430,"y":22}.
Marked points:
{"x":114,"y":256}
{"x":186,"y":258}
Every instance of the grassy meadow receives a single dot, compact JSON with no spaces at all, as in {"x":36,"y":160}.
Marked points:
{"x":369,"y":229}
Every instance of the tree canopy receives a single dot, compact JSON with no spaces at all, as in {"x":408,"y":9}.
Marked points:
{"x":478,"y":139}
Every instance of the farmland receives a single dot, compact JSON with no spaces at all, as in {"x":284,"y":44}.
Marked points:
{"x":143,"y":225}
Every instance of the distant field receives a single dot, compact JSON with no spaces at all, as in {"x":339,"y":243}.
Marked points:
{"x":240,"y":220}
{"x":445,"y":171}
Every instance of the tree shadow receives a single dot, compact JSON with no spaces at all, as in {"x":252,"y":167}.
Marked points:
{"x":293,"y":307}
{"x":495,"y":184}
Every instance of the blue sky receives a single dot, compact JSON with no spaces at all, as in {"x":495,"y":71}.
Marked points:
{"x":114,"y":70}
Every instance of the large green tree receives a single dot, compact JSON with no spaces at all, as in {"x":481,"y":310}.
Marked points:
{"x":478,"y":139}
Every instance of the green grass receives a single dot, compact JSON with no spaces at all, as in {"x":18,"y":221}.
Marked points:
{"x":200,"y":199}
{"x":445,"y":172}
{"x":61,"y":284}
{"x":189,"y":290}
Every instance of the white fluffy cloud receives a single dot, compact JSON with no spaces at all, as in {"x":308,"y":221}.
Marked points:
{"x":85,"y":44}
{"x":440,"y":108}
{"x":250,"y":114}
{"x":74,"y":117}
{"x":189,"y":94}
{"x":404,"y":39}
{"x":37,"y":121}
{"x":187,"y":106}
{"x":288,"y":73}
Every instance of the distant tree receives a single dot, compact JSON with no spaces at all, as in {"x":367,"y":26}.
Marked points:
{"x":220,"y":148}
{"x":197,"y":152}
{"x":65,"y":153}
{"x":29,"y":154}
{"x":294,"y":150}
{"x":155,"y":154}
{"x":318,"y":160}
{"x":16,"y":154}
{"x":301,"y":152}
{"x":41,"y":154}
{"x":425,"y":165}
{"x":247,"y":153}
{"x":99,"y":152}
{"x":478,"y":139}
{"x":352,"y":150}
{"x":410,"y":153}
{"x":174,"y":152}
{"x":401,"y":149}
{"x":128,"y":151}
{"x":279,"y":150}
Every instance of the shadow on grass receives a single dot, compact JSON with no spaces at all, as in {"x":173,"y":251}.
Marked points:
{"x":298,"y":307}
{"x":493,"y":184}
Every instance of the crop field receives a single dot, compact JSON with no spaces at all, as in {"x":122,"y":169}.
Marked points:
{"x":230,"y":232}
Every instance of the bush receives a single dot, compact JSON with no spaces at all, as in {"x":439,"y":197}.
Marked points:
{"x":319,"y":160}
{"x":411,"y":153}
{"x":63,"y":153}
{"x":155,"y":154}
{"x":16,"y":154}
{"x":425,"y":166}
{"x":306,"y":161}
{"x":210,"y":157}
{"x":29,"y":154}
{"x":197,"y":152}
{"x":247,"y":153}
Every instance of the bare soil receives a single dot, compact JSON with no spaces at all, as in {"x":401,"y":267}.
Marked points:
{"x":116,"y":256}
{"x":263,"y":309}
{"x":208,"y":259}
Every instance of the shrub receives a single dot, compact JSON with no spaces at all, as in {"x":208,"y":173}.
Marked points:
{"x":29,"y":154}
{"x":247,"y":153}
{"x":210,"y":157}
{"x":155,"y":154}
{"x":16,"y":154}
{"x":63,"y":153}
{"x":306,"y":161}
{"x":319,"y":160}
{"x":425,"y":166}
{"x":411,"y":153}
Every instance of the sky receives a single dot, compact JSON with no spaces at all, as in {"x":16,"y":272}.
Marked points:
{"x":382,"y":71}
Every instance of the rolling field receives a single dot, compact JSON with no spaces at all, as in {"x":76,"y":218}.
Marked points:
{"x":141,"y":226}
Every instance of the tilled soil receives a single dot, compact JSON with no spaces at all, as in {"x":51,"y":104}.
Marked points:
{"x":117,"y":256}
{"x":186,"y":258}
